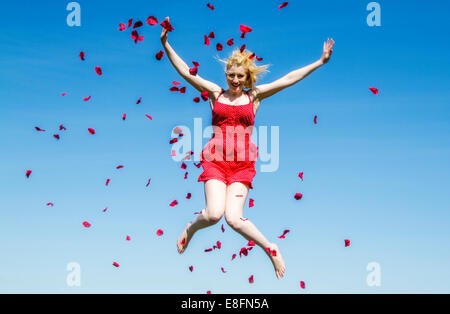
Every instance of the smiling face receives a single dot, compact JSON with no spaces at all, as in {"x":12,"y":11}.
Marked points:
{"x":236,"y":78}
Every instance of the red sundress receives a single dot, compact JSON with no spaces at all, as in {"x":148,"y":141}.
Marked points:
{"x":230,"y":156}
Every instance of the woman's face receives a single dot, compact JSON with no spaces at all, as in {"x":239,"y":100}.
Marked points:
{"x":236,"y":78}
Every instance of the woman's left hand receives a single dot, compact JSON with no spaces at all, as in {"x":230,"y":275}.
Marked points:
{"x":327,"y":50}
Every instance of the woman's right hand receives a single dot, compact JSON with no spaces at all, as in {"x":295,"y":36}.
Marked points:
{"x":164,"y":32}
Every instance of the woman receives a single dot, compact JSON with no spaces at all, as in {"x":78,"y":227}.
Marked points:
{"x":227,"y":180}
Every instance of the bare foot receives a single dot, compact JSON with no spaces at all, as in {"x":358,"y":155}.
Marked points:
{"x":277,"y":260}
{"x":183,"y":240}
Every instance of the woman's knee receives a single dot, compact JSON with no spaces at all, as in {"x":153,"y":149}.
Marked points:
{"x":213,"y":215}
{"x":233,"y":221}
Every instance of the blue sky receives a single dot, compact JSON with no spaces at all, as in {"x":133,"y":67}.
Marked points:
{"x":376,"y":167}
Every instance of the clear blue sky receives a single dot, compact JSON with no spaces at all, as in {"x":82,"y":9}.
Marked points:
{"x":376,"y":167}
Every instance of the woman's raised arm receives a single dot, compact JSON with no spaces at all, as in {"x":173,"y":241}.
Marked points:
{"x":267,"y":90}
{"x":182,"y":68}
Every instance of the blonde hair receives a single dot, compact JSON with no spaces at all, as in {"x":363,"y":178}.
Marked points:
{"x":239,"y":58}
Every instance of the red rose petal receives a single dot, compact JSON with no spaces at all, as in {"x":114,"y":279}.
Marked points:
{"x":198,"y":165}
{"x":302,"y":284}
{"x":86,"y":224}
{"x":283,"y":235}
{"x":61,"y":127}
{"x":106,"y":208}
{"x":174,"y":140}
{"x":56,"y":136}
{"x":174,"y":203}
{"x":315,"y":119}
{"x":138,"y":101}
{"x":191,"y":268}
{"x":242,"y":48}
{"x":136,"y":37}
{"x":196,"y":99}
{"x":374,"y":90}
{"x":211,"y":35}
{"x":283,"y":5}
{"x":206,"y":40}
{"x":205,"y":95}
{"x":130,"y":21}
{"x":185,"y":175}
{"x":223,"y":270}
{"x":28,"y":173}
{"x":176,"y":83}
{"x":233,"y":257}
{"x":251,"y":243}
{"x":243,"y":251}
{"x":230,"y":42}
{"x":174,"y":89}
{"x":148,"y":116}
{"x":166,"y":24}
{"x":82,"y":55}
{"x":347,"y":242}
{"x":124,"y":116}
{"x":159,"y":55}
{"x":183,"y":90}
{"x":210,"y":6}
{"x":107,"y":182}
{"x":50,"y":204}
{"x":92,"y":131}
{"x":128,"y":238}
{"x":208,"y":250}
{"x":188,"y":196}
{"x":122,"y":27}
{"x":244,"y":219}
{"x":251,"y":203}
{"x":252,"y":56}
{"x":63,"y":94}
{"x":219,"y":244}
{"x":245,"y":29}
{"x":119,"y":167}
{"x":87,"y":98}
{"x":258,"y":58}
{"x":250,"y":280}
{"x":222,"y":228}
{"x":116,"y":265}
{"x":300,"y":175}
{"x":219,"y":47}
{"x":208,"y":292}
{"x":137,"y":24}
{"x":183,"y":166}
{"x":151,"y":20}
{"x":298,"y":196}
{"x":159,"y":232}
{"x":148,"y":183}
{"x":98,"y":70}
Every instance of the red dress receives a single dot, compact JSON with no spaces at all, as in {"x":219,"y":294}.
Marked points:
{"x":230,"y":156}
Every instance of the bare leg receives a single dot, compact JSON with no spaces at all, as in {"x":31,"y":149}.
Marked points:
{"x":233,"y":214}
{"x":215,"y":194}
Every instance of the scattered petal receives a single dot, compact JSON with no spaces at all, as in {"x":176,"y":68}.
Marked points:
{"x":130,"y":21}
{"x":92,"y":131}
{"x":63,"y":94}
{"x":148,"y":116}
{"x":223,"y":270}
{"x":50,"y":204}
{"x":250,"y":280}
{"x":188,"y":196}
{"x":159,"y":232}
{"x":124,"y":116}
{"x":233,"y":257}
{"x":61,"y":127}
{"x":283,"y":235}
{"x":374,"y":90}
{"x":56,"y":136}
{"x":128,"y":238}
{"x":151,"y":20}
{"x":174,"y":203}
{"x":283,"y":5}
{"x":298,"y":196}
{"x":183,"y":166}
{"x":300,"y":175}
{"x":230,"y":42}
{"x":159,"y":55}
{"x":219,"y":244}
{"x":106,"y":208}
{"x":122,"y":27}
{"x":82,"y":55}
{"x":211,"y":35}
{"x":208,"y":250}
{"x":137,"y":24}
{"x":116,"y":265}
{"x":138,"y":101}
{"x":86,"y":224}
{"x":39,"y":129}
{"x":219,"y":47}
{"x":205,"y":95}
{"x":176,"y":83}
{"x":242,"y":48}
{"x":107,"y":182}
{"x":174,"y":89}
{"x":191,"y":268}
{"x":183,"y":90}
{"x":302,"y":284}
{"x":185,"y":175}
{"x":222,"y":228}
{"x":196,"y":99}
{"x":28,"y":173}
{"x":251,"y":243}
{"x":166,"y":24}
{"x":251,"y":203}
{"x":136,"y":37}
{"x":347,"y":242}
{"x":148,"y":183}
{"x":210,"y":6}
{"x":98,"y":70}
{"x":119,"y":167}
{"x":87,"y":98}
{"x":315,"y":119}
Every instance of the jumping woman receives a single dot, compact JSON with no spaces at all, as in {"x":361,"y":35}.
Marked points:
{"x":227,"y":178}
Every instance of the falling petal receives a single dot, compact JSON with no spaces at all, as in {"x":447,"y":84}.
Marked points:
{"x":87,"y":98}
{"x":28,"y":173}
{"x":210,"y":6}
{"x":283,"y":5}
{"x":196,"y":99}
{"x":106,"y":208}
{"x":205,"y":95}
{"x":183,"y":90}
{"x":185,"y":175}
{"x":86,"y":224}
{"x":107,"y":182}
{"x":137,"y":24}
{"x":258,"y":58}
{"x":219,"y":244}
{"x":124,"y":116}
{"x":61,"y":127}
{"x":251,"y":203}
{"x":130,"y":21}
{"x":116,"y":264}
{"x":233,"y":257}
{"x":251,"y":243}
{"x":63,"y":94}
{"x":82,"y":55}
{"x":208,"y":250}
{"x":148,"y":116}
{"x":302,"y":284}
{"x":151,"y":20}
{"x":183,"y":166}
{"x":166,"y":24}
{"x":56,"y":136}
{"x":230,"y":42}
{"x":300,"y":175}
{"x":148,"y":183}
{"x":159,"y":232}
{"x":176,"y":83}
{"x":283,"y":235}
{"x":315,"y":119}
{"x":119,"y":167}
{"x":50,"y":204}
{"x":128,"y":238}
{"x":223,"y":229}
{"x":211,"y":35}
{"x":174,"y":203}
{"x":242,"y":48}
{"x":223,"y":270}
{"x":219,"y":47}
{"x":191,"y":268}
{"x":39,"y":129}
{"x":138,"y":101}
{"x":374,"y":90}
{"x":298,"y":196}
{"x":122,"y":27}
{"x":250,"y":280}
{"x":92,"y":131}
{"x":159,"y":55}
{"x":188,"y":196}
{"x":347,"y":242}
{"x":98,"y":70}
